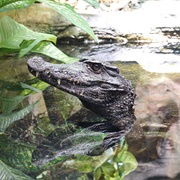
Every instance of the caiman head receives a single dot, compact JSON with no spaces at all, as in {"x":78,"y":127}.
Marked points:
{"x":99,"y":86}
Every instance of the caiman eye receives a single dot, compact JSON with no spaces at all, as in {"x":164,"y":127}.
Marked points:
{"x":96,"y":67}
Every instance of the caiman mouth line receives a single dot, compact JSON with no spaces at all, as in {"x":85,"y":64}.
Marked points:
{"x":80,"y":84}
{"x":72,"y":82}
{"x":100,"y":87}
{"x":69,"y":82}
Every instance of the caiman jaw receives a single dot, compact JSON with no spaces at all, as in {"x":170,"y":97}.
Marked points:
{"x":94,"y":83}
{"x":99,"y":86}
{"x":69,"y":85}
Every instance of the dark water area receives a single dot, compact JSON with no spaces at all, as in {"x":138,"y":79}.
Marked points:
{"x":154,"y":71}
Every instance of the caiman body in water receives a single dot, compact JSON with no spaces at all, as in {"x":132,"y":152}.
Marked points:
{"x":99,"y":86}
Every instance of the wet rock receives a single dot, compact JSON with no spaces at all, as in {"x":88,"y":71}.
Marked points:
{"x":131,"y":25}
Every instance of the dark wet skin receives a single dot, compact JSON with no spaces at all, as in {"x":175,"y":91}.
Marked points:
{"x":99,"y":86}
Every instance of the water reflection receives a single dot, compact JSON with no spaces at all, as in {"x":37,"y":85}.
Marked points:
{"x":81,"y":133}
{"x":157,"y":111}
{"x":154,"y":139}
{"x":159,"y":57}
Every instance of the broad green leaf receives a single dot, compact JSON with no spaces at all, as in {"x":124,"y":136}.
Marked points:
{"x":26,"y":86}
{"x":24,"y":51}
{"x":110,"y":165}
{"x":52,"y":51}
{"x":129,"y":162}
{"x":37,"y":86}
{"x":43,"y":175}
{"x":97,"y":174}
{"x":6,"y":5}
{"x":68,"y":12}
{"x":94,"y":3}
{"x":83,"y":163}
{"x":9,"y":173}
{"x":100,"y":160}
{"x":12,"y":34}
{"x":108,"y":169}
{"x":16,"y":154}
{"x":6,"y":120}
{"x":12,"y":86}
{"x":5,"y":51}
{"x":9,"y":104}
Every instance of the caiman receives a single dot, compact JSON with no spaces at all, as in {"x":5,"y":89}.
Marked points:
{"x":99,"y":86}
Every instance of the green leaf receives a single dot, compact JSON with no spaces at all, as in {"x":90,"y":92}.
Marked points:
{"x":97,"y":174}
{"x":52,"y":51}
{"x":94,"y":3}
{"x":100,"y":160}
{"x":9,"y":173}
{"x":6,"y":5}
{"x":43,"y":175}
{"x":6,"y":120}
{"x":68,"y":12}
{"x":15,"y":154}
{"x":12,"y":34}
{"x":26,"y":86}
{"x":9,"y":104}
{"x":24,"y":51}
{"x":20,"y":38}
{"x":83,"y":163}
{"x":129,"y":162}
{"x":108,"y":170}
{"x":5,"y":51}
{"x":36,"y":86}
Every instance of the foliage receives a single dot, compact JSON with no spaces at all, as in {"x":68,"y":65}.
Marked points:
{"x":111,"y":165}
{"x":20,"y":39}
{"x":94,"y":3}
{"x":12,"y":34}
{"x":50,"y":50}
{"x":16,"y":38}
{"x":9,"y":104}
{"x":114,"y":165}
{"x":7,"y":120}
{"x":8,"y":172}
{"x":68,"y":12}
{"x":15,"y":154}
{"x":6,"y":5}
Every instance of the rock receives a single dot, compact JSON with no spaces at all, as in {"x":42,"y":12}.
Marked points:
{"x":127,"y":25}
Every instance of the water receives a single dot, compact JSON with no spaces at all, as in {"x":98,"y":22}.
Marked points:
{"x":153,"y":69}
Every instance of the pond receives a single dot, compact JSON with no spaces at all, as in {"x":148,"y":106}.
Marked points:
{"x":154,"y":71}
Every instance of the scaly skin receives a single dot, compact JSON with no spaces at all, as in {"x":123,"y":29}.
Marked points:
{"x":99,"y":86}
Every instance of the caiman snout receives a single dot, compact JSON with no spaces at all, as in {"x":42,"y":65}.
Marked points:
{"x":36,"y":64}
{"x":99,"y":86}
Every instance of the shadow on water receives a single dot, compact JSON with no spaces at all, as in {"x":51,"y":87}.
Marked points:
{"x":153,"y":140}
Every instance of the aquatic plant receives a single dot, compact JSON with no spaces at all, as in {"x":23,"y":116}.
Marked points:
{"x":112,"y":164}
{"x":16,"y":37}
{"x":15,"y":153}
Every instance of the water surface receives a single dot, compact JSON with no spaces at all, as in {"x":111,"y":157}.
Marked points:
{"x":154,"y":70}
